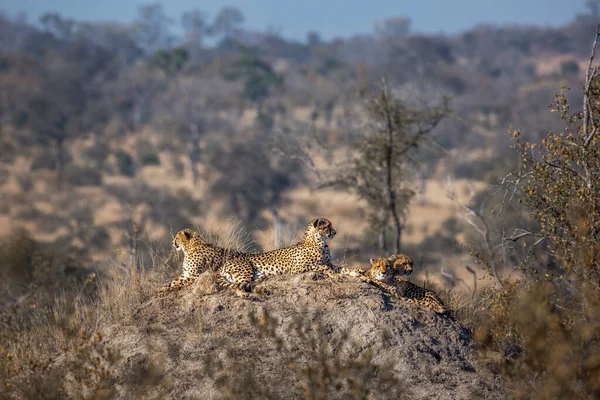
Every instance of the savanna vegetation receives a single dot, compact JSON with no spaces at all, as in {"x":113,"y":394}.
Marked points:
{"x":477,"y":154}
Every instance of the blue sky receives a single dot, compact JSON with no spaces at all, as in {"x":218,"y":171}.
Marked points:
{"x":331,"y":18}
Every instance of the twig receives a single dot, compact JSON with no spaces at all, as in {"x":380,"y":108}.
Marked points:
{"x":516,"y":236}
{"x":472,"y":271}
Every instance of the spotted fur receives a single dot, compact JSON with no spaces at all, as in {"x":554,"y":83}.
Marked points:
{"x":386,"y":273}
{"x":311,"y":254}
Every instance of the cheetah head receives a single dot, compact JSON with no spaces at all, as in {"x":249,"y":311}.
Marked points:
{"x":381,"y":269}
{"x":401,"y":264}
{"x":182,"y":239}
{"x":320,"y":228}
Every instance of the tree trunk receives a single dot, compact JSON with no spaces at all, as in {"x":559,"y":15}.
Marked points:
{"x":421,"y":186}
{"x":277,"y":227}
{"x":398,"y":235}
{"x":60,"y":162}
{"x":194,"y":152}
{"x":133,"y":246}
{"x":392,"y":203}
{"x":382,"y":240}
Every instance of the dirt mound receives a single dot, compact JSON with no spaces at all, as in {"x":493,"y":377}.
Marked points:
{"x":298,"y":336}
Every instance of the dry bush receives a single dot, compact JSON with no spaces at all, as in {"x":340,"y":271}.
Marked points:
{"x":32,"y":272}
{"x":541,"y":331}
{"x":145,"y":153}
{"x":83,"y":176}
{"x":43,"y":160}
{"x":51,"y":344}
{"x":541,"y":345}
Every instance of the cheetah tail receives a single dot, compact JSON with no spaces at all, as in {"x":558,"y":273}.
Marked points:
{"x":224,"y":283}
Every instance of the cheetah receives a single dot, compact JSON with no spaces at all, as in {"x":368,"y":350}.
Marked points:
{"x":311,"y":254}
{"x":199,"y":256}
{"x":385,"y":273}
{"x":241,"y":270}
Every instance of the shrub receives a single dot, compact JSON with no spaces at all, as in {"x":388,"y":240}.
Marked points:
{"x":546,"y":349}
{"x":43,"y":160}
{"x":545,"y":326}
{"x":569,"y":67}
{"x":125,"y":163}
{"x":145,"y":153}
{"x":150,"y":159}
{"x":28,"y":212}
{"x":83,"y":176}
{"x":98,"y":237}
{"x":49,"y":223}
{"x":8,"y":152}
{"x":97,"y":154}
{"x":4,"y":175}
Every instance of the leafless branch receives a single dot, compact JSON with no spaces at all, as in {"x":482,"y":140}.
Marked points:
{"x":478,"y":222}
{"x":474,"y":273}
{"x":515,"y":185}
{"x":519,"y":234}
{"x":587,"y":112}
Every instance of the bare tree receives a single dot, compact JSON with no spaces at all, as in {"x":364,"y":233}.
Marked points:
{"x":195,"y":28}
{"x":377,"y":168}
{"x":227,"y":23}
{"x":152,"y":27}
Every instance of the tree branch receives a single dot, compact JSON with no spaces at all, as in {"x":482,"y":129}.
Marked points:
{"x":484,"y":231}
{"x":586,"y":92}
{"x":516,"y":236}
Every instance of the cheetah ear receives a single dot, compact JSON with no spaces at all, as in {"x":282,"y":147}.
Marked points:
{"x":370,"y":260}
{"x":187,"y":234}
{"x":317,"y":222}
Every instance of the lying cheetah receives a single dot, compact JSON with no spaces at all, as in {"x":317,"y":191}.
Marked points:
{"x":386,"y":274}
{"x":311,"y":254}
{"x":199,"y":256}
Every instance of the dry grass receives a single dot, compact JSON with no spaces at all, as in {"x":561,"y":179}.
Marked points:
{"x":51,"y":335}
{"x":227,"y":233}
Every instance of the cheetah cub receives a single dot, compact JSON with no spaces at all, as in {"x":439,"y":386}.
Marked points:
{"x":386,"y":273}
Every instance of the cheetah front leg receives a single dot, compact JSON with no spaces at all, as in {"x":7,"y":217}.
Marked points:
{"x":423,"y":297}
{"x":325,"y":269}
{"x":382,"y":285}
{"x":177,"y":284}
{"x":356,"y":273}
{"x":429,"y":301}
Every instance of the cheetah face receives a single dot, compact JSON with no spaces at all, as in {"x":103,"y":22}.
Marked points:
{"x":380,"y":269}
{"x":402,"y":264}
{"x":182,"y":238}
{"x":322,"y":227}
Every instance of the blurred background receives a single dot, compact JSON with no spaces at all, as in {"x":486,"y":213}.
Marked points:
{"x":122,"y":122}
